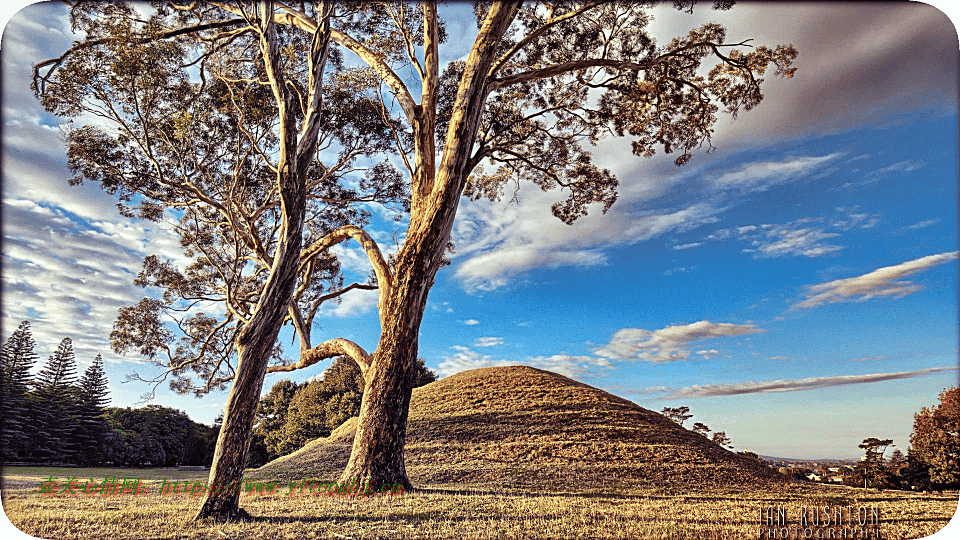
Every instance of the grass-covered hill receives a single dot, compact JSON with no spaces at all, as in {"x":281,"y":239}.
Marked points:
{"x":520,"y":427}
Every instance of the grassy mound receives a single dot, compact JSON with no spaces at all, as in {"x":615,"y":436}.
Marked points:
{"x":520,"y":427}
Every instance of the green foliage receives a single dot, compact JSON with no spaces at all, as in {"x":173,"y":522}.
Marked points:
{"x":935,"y":443}
{"x":56,"y":407}
{"x":677,"y":414}
{"x":92,"y":426}
{"x":292,"y":414}
{"x":159,"y":436}
{"x":18,"y":357}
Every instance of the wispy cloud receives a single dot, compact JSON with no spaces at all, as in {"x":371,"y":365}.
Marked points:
{"x":805,"y":237}
{"x":792,"y":385}
{"x":668,"y":344}
{"x":760,"y":176}
{"x":497,"y":242}
{"x":687,"y":246}
{"x":886,"y":281}
{"x":922,"y":224}
{"x":782,"y":241}
{"x":465,"y":358}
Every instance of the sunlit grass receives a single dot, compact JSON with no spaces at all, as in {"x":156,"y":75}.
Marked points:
{"x":637,"y":513}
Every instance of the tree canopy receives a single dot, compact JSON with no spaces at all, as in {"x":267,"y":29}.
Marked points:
{"x":266,"y":130}
{"x":935,"y":441}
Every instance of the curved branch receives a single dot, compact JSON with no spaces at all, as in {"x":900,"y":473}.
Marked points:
{"x":380,"y":266}
{"x":328,"y":349}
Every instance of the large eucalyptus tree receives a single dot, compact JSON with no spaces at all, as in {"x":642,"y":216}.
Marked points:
{"x":242,"y":119}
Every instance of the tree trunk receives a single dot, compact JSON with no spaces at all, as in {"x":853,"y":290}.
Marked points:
{"x":377,"y":454}
{"x":222,"y":502}
{"x":254,"y":346}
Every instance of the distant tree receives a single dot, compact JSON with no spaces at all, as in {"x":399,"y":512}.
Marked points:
{"x":896,"y":467}
{"x":720,"y":437}
{"x":935,"y":441}
{"x":56,"y":400}
{"x":16,"y":360}
{"x":678,"y":414}
{"x":872,"y":470}
{"x":422,"y":375}
{"x":272,"y":416}
{"x":701,"y":429}
{"x":92,"y":425}
{"x":152,"y":435}
{"x":753,"y":456}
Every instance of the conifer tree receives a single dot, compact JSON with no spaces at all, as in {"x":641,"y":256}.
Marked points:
{"x":56,"y":399}
{"x":92,"y":425}
{"x":18,"y":357}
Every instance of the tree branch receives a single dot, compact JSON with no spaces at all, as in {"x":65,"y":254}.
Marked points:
{"x":380,"y":266}
{"x":328,"y":349}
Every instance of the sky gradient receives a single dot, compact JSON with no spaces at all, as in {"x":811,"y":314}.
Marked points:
{"x":796,"y":287}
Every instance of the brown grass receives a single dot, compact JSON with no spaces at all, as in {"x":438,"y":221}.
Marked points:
{"x":722,"y":514}
{"x":496,"y":453}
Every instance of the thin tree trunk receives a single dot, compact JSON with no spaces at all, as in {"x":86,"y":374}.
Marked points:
{"x":254,"y":347}
{"x":222,"y":502}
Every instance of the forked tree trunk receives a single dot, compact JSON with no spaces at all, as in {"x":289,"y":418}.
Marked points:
{"x":377,"y":454}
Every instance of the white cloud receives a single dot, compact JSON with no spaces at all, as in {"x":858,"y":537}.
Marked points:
{"x":761,"y":176}
{"x":799,"y":238}
{"x":471,"y":322}
{"x":69,"y":276}
{"x":884,"y":281}
{"x":781,"y":385}
{"x":498,"y":241}
{"x":488,"y":341}
{"x":465,"y":358}
{"x":352,"y":304}
{"x":687,"y":246}
{"x":668,"y":344}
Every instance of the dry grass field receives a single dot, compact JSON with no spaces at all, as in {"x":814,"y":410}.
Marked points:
{"x":497,"y":453}
{"x":434,"y":513}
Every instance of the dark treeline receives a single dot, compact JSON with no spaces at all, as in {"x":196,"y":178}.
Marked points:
{"x":57,"y":418}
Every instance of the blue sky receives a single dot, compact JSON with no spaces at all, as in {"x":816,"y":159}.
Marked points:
{"x":796,"y":288}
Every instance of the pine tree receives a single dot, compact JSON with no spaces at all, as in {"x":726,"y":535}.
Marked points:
{"x":92,"y":426}
{"x":16,"y":360}
{"x":56,"y":398}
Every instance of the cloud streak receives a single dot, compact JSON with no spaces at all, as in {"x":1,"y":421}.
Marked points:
{"x":763,"y":175}
{"x":669,"y":344}
{"x":793,"y":385}
{"x":886,"y":281}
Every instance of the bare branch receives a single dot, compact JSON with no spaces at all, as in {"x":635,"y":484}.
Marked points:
{"x":328,"y":349}
{"x":380,"y":266}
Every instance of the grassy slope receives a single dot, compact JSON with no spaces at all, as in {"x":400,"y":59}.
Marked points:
{"x":520,"y":427}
